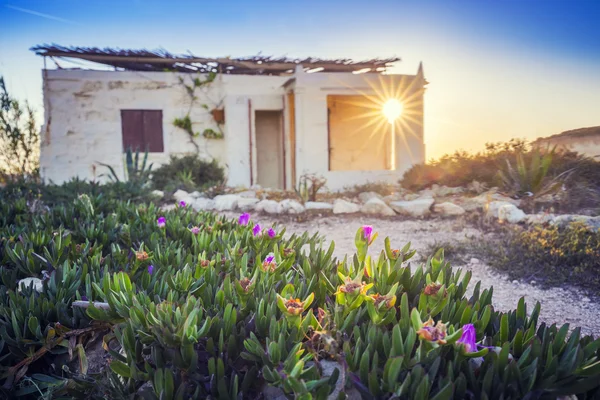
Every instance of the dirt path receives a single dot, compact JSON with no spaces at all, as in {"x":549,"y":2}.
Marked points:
{"x":559,"y":305}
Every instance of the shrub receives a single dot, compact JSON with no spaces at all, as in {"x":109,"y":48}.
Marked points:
{"x":548,"y":254}
{"x":199,"y":306}
{"x":189,"y":173}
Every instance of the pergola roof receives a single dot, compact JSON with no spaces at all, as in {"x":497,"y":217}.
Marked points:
{"x":162,"y":60}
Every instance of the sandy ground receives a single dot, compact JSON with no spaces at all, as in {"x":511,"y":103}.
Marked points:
{"x":559,"y":305}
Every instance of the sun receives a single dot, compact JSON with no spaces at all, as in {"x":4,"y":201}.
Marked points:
{"x":392,"y":109}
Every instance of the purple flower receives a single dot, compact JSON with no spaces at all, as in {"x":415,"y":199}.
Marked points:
{"x":271,"y":233}
{"x":150,"y":269}
{"x":195,"y":230}
{"x":244,"y":219}
{"x":256,"y":230}
{"x":161,"y":222}
{"x":182,"y":203}
{"x":367,"y":232}
{"x":468,"y":338}
{"x":269,"y":259}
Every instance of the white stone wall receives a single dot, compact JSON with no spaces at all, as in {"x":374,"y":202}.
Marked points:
{"x":311,"y":91}
{"x":83,"y":117}
{"x":83,"y":121}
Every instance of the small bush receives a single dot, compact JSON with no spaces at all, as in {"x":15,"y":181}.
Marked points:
{"x":188,"y":173}
{"x":381,"y":188}
{"x":551,"y":255}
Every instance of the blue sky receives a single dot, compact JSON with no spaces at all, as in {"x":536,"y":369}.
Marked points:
{"x":498,"y":68}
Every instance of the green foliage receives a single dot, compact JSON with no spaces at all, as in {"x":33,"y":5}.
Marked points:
{"x":19,"y":138}
{"x":136,"y":174}
{"x":524,"y":178}
{"x":309,"y":185}
{"x":187,"y":172}
{"x":518,"y":169}
{"x":548,"y":254}
{"x":224,"y":313}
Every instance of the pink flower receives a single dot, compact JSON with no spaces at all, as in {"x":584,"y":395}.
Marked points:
{"x":150,"y":269}
{"x":182,"y":203}
{"x":161,"y":222}
{"x":244,"y":219}
{"x":367,"y":232}
{"x":468,"y":338}
{"x":271,"y":233}
{"x":195,"y":230}
{"x":256,"y":230}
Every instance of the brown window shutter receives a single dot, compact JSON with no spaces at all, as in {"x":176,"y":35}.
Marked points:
{"x":132,"y":129}
{"x":153,"y":131}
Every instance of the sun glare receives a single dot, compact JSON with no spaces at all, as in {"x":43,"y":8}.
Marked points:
{"x":392,"y":109}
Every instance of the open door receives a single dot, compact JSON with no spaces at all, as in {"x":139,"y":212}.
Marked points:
{"x":269,"y":149}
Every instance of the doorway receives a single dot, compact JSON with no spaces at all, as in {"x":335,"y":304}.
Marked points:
{"x":269,"y":149}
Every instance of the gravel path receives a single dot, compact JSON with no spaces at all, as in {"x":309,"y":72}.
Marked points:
{"x":559,"y":305}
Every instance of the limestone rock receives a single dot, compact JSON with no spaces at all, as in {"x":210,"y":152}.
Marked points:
{"x":366,"y":196}
{"x":159,"y":194}
{"x":182,"y":195}
{"x":393,"y":197}
{"x":511,"y":214}
{"x":564,"y":220}
{"x":268,"y":206}
{"x":249,"y":194}
{"x":541,"y":218}
{"x":226,"y":202}
{"x":38,"y":285}
{"x":484,"y":199}
{"x":448,"y":209}
{"x":318,"y":205}
{"x":203,"y":204}
{"x":341,"y":206}
{"x":492,"y":208}
{"x":376,"y":206}
{"x":416,"y":208}
{"x":441,"y":191}
{"x":196,"y":194}
{"x":246,"y":203}
{"x":291,"y":206}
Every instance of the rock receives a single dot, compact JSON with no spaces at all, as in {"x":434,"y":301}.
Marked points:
{"x":366,"y":196}
{"x":273,"y":393}
{"x":532,"y":283}
{"x":37,"y":283}
{"x":476,"y":187}
{"x":318,"y":205}
{"x":483,"y":200}
{"x":541,"y":218}
{"x":393,"y":197}
{"x":182,"y":195}
{"x":159,"y":194}
{"x":410,"y":196}
{"x":492,"y":208}
{"x":586,"y":299}
{"x":516,"y":282}
{"x":448,"y":209}
{"x":426,"y":193}
{"x":376,"y":206}
{"x":328,"y":368}
{"x":203,"y":204}
{"x":564,"y":220}
{"x":196,"y":194}
{"x":249,"y":194}
{"x":511,"y":214}
{"x":226,"y":202}
{"x":246,"y":203}
{"x":291,"y":206}
{"x":268,"y":206}
{"x":167,"y":207}
{"x":416,"y":208}
{"x":341,"y":206}
{"x":441,"y":191}
{"x":474,"y":261}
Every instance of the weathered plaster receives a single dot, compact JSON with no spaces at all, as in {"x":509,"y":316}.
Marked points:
{"x":85,"y":125}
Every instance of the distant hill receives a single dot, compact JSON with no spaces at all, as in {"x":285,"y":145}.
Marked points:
{"x":574,"y":133}
{"x":583,"y":140}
